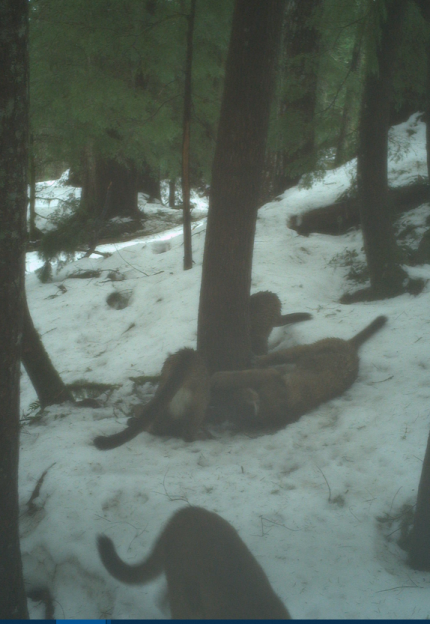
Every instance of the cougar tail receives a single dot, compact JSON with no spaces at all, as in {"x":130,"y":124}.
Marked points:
{"x":295,"y":317}
{"x":368,"y":331}
{"x":136,"y":574}
{"x":105,"y":443}
{"x":163,"y":396}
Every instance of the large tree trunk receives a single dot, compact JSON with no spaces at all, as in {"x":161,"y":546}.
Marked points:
{"x":188,"y":254}
{"x":13,"y":209}
{"x":297,"y":107}
{"x":382,"y":253}
{"x":109,"y":189}
{"x":419,"y":552}
{"x":223,"y":324}
{"x":148,"y":181}
{"x":48,"y":384}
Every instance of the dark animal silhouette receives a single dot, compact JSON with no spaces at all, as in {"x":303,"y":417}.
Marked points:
{"x":288,"y":383}
{"x":264,"y":315}
{"x":211,"y":574}
{"x":178,"y":407}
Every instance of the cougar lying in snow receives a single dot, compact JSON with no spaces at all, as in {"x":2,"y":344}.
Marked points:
{"x":265,"y":314}
{"x":307,"y":376}
{"x":210,"y":572}
{"x":178,"y":407}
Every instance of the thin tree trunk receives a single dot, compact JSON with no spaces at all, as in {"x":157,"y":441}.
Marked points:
{"x":223,"y":324}
{"x":13,"y":208}
{"x":48,"y":384}
{"x":424,"y":7}
{"x":382,"y":253}
{"x":419,"y":552}
{"x":427,"y":116}
{"x":172,"y":192}
{"x":188,"y":254}
{"x":32,"y":230}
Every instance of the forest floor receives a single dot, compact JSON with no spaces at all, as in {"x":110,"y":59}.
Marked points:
{"x":321,"y":504}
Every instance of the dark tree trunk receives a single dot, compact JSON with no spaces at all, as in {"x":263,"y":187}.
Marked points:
{"x":382,"y":253}
{"x":427,"y":115}
{"x":149,"y":182}
{"x":33,"y":232}
{"x":172,"y":192}
{"x":99,"y":176}
{"x":13,"y":209}
{"x":188,"y":254}
{"x":424,"y":7}
{"x":419,"y":552}
{"x":123,"y":200}
{"x":302,"y":40}
{"x":223,"y":324}
{"x":49,"y":387}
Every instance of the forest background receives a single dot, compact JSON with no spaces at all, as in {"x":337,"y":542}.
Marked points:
{"x":107,"y":84}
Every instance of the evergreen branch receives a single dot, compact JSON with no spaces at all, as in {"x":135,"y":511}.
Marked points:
{"x":157,"y":110}
{"x":119,"y":32}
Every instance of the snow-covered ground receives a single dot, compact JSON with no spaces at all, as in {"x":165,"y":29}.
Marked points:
{"x":318,"y":503}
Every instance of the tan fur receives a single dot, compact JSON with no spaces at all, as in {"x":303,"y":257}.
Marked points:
{"x":290,"y":382}
{"x":178,"y":407}
{"x":264,"y":315}
{"x":211,"y":573}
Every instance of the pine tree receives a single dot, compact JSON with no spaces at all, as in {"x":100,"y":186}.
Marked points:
{"x":186,"y":184}
{"x":223,"y":323}
{"x":13,"y":206}
{"x":383,"y":257}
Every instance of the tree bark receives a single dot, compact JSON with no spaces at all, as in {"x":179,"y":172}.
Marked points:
{"x":48,"y":384}
{"x":188,"y":254}
{"x":13,"y":208}
{"x":223,"y":323}
{"x":383,"y":256}
{"x":419,"y":552}
{"x":100,"y":175}
{"x":148,"y":181}
{"x":33,"y":232}
{"x":172,"y":192}
{"x":427,"y":115}
{"x":424,"y":7}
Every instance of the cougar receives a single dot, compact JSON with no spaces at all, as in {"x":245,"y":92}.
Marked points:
{"x":288,"y":383}
{"x":265,"y":314}
{"x":178,"y":407}
{"x":211,"y":573}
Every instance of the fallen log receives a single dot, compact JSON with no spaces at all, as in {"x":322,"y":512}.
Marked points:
{"x":344,"y":214}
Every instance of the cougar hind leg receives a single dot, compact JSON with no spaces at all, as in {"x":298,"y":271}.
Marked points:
{"x":285,"y":356}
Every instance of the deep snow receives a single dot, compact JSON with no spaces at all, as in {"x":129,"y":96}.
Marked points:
{"x":316,"y":502}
